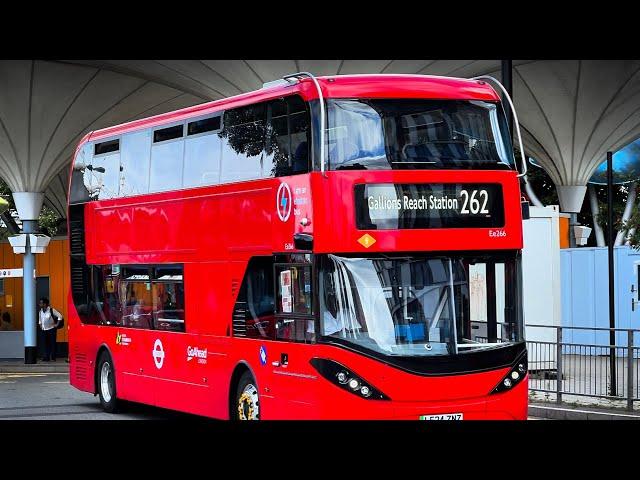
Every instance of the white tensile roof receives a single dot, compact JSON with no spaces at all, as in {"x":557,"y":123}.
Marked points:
{"x":571,"y":111}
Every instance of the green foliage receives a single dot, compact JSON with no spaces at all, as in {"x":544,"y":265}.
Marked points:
{"x":542,"y":185}
{"x":547,"y":193}
{"x":48,"y":221}
{"x":634,"y":223}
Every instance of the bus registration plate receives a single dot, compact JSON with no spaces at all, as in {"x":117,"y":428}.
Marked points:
{"x":442,"y":416}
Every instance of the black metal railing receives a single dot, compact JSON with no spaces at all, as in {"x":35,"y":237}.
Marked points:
{"x":562,"y":367}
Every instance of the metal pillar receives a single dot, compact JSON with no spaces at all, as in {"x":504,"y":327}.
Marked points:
{"x":28,"y":205}
{"x":492,"y":317}
{"x":573,"y":222}
{"x":612,"y":304}
{"x":29,"y":296}
{"x":595,"y":210}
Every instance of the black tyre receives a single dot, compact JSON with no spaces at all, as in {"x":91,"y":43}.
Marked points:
{"x":106,"y":383}
{"x":247,"y":401}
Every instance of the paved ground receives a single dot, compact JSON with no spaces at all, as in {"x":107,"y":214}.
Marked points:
{"x":48,"y":396}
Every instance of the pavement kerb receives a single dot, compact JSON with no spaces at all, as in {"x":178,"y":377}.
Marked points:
{"x":561,"y":412}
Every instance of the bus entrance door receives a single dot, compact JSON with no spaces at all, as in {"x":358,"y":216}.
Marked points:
{"x":293,"y":380}
{"x":294,"y":377}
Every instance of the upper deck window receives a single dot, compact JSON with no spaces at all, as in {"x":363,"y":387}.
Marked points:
{"x":243,"y":143}
{"x":107,"y":147}
{"x":167,"y":157}
{"x":168,"y":133}
{"x":202,"y":153}
{"x":288,"y":136}
{"x":417,"y":134}
{"x":205,"y":125}
{"x":134,"y":163}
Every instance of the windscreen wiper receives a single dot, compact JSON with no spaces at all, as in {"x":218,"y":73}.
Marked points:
{"x":416,"y":161}
{"x":353,"y":166}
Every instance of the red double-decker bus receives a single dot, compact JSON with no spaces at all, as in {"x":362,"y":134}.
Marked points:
{"x":343,"y":247}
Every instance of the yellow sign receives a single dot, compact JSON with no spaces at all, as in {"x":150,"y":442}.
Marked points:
{"x":118,"y":338}
{"x":8,"y":301}
{"x":366,"y":240}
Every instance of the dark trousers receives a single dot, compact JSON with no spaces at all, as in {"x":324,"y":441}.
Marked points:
{"x":50,"y":344}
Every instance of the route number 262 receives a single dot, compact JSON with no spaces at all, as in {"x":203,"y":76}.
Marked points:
{"x":471,"y":203}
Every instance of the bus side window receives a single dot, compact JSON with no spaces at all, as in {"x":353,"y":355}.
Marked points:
{"x":167,"y":158}
{"x":288,"y":145}
{"x":202,"y":153}
{"x":168,"y":299}
{"x":104,"y":170}
{"x":243,"y":137}
{"x":106,"y":294}
{"x":278,"y":158}
{"x":134,"y":163}
{"x":299,"y":132}
{"x":135,"y":297}
{"x":254,"y":308}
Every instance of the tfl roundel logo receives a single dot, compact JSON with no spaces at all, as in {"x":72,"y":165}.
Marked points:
{"x":283,"y":202}
{"x":158,"y":353}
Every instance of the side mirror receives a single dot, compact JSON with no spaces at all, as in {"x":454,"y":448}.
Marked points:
{"x":303,"y":241}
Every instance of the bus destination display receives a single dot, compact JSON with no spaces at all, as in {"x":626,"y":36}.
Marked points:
{"x":388,"y":206}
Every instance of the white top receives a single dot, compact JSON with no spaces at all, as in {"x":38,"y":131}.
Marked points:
{"x":45,"y":319}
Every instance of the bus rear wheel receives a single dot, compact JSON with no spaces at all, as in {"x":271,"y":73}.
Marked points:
{"x":106,"y":380}
{"x":247,"y":405}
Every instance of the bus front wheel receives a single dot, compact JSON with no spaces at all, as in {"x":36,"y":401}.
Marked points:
{"x":247,"y":405}
{"x":106,"y":380}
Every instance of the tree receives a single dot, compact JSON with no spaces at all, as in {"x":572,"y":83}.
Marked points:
{"x":544,"y":187}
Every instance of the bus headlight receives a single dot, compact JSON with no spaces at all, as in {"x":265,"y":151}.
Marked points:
{"x":346,"y":379}
{"x":515,"y":375}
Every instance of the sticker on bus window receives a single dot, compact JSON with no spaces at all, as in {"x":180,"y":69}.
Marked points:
{"x":285,"y":291}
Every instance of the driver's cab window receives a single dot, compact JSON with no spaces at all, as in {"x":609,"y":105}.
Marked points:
{"x":294,"y":303}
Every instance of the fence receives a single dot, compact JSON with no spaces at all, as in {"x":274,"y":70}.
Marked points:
{"x":563,"y":367}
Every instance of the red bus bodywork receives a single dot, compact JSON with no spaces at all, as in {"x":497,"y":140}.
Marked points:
{"x":215,"y":230}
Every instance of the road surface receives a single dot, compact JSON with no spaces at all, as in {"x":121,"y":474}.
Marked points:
{"x":48,"y":396}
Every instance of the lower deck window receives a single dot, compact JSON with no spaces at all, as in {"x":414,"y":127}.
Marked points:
{"x":136,"y":296}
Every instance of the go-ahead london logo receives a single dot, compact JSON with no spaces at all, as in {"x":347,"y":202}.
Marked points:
{"x":158,"y":353}
{"x":283,"y":202}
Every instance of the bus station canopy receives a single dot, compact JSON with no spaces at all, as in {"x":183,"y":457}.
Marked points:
{"x":571,"y":112}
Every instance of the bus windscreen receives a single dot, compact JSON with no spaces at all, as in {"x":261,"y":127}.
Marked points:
{"x":380,"y":134}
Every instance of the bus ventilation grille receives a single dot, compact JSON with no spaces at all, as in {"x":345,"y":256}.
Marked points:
{"x":80,"y":366}
{"x":76,"y":237}
{"x":79,"y":279}
{"x":240,"y":319}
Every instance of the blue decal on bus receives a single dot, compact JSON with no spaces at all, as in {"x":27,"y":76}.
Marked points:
{"x":263,"y":355}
